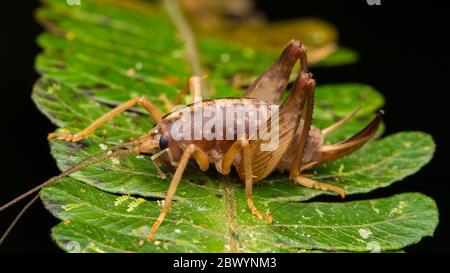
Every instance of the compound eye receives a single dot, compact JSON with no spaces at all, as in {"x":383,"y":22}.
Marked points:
{"x":163,"y":142}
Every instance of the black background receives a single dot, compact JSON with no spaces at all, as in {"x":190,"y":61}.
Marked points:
{"x":403,"y":54}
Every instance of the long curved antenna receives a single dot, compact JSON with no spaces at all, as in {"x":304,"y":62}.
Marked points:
{"x":69,"y":171}
{"x":75,"y":168}
{"x":14,"y":222}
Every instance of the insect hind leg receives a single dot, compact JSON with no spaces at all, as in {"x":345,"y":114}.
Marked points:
{"x":310,"y":183}
{"x":335,"y":151}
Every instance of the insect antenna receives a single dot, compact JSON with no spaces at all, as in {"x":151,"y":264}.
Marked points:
{"x":154,"y":158}
{"x":83,"y":164}
{"x":166,"y":150}
{"x":17,"y":218}
{"x":158,"y":154}
{"x":73,"y":169}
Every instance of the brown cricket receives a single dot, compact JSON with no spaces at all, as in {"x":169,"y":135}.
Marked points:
{"x":300,"y":147}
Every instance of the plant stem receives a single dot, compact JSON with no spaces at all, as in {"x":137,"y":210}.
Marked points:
{"x":173,"y":9}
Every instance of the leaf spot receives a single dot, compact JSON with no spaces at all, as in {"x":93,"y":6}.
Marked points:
{"x":139,"y":66}
{"x":70,"y":36}
{"x":364,"y":233}
{"x":200,"y":208}
{"x":372,"y":204}
{"x":95,"y":248}
{"x":160,"y":203}
{"x":399,"y":209}
{"x":320,"y":213}
{"x":374,"y":247}
{"x":119,"y":200}
{"x":70,"y":207}
{"x":248,"y":53}
{"x":141,"y":231}
{"x":135,"y":204}
{"x":225,"y":57}
{"x":115,"y":161}
{"x":131,"y":72}
{"x":53,"y":88}
{"x":177,"y":54}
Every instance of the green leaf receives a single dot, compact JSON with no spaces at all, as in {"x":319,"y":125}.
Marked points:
{"x":342,"y":56}
{"x":242,"y":23}
{"x":105,"y":52}
{"x":102,"y":222}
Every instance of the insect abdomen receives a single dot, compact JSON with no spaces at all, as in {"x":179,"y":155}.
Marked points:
{"x":221,"y":121}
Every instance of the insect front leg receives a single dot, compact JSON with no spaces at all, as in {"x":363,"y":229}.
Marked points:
{"x":202,"y":160}
{"x":153,"y":110}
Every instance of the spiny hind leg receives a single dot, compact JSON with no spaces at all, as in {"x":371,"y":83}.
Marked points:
{"x":310,"y":183}
{"x":153,"y":110}
{"x":295,"y":172}
{"x":249,"y":183}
